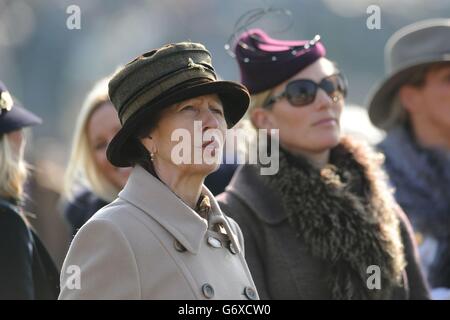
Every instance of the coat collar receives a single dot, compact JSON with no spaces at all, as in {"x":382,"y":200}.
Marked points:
{"x":248,"y":186}
{"x":154,"y":198}
{"x":345,"y":215}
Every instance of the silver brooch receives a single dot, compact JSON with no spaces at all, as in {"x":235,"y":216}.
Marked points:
{"x":6,"y":101}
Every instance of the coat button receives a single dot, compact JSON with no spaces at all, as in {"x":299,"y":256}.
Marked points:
{"x":250,"y":293}
{"x":214,"y":242}
{"x":233,"y":248}
{"x":208,"y":291}
{"x":178,"y":246}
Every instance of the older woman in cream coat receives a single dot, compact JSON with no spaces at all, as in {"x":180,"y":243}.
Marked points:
{"x":165,"y":237}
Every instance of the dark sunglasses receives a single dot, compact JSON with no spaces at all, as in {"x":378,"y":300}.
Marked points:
{"x":302,"y":92}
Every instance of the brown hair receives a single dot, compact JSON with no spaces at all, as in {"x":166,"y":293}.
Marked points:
{"x":139,"y":155}
{"x":419,"y":77}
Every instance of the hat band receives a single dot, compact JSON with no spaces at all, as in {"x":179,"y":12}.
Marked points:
{"x":130,"y":81}
{"x":162,"y":86}
{"x":408,"y":63}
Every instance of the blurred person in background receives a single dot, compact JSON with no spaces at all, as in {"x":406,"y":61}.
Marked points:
{"x":165,"y":236}
{"x":313,"y":229}
{"x":26,"y":269}
{"x":413,"y":105}
{"x":44,"y":187}
{"x":91,"y":181}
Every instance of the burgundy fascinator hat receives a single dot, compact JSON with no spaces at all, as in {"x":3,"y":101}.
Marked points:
{"x":265,"y":62}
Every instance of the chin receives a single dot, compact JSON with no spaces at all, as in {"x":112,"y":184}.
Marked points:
{"x":328,"y":141}
{"x":202,"y":169}
{"x":207,"y":169}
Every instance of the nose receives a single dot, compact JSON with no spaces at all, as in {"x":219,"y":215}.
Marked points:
{"x":323,"y":100}
{"x":209,"y":120}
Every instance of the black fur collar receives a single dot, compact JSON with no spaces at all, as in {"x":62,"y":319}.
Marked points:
{"x":346,"y":216}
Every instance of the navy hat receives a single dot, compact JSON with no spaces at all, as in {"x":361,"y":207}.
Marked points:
{"x":12,"y":115}
{"x":265,"y":62}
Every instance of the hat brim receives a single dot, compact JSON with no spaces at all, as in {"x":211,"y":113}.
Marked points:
{"x":18,"y":118}
{"x":380,"y":100}
{"x":234,"y":97}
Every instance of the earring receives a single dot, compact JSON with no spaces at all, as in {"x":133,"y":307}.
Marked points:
{"x":152,"y":156}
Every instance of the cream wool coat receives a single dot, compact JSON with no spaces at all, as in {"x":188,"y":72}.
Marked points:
{"x":148,"y":244}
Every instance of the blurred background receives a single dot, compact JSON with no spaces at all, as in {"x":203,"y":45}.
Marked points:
{"x":50,"y":68}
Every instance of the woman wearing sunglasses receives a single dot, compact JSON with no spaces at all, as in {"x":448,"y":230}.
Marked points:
{"x":325,"y":226}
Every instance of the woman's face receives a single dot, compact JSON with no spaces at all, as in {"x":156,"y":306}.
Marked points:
{"x":101,"y":128}
{"x":312,"y":128}
{"x":430,"y":103}
{"x":189,"y":124}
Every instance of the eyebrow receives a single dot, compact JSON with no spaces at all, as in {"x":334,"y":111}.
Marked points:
{"x":199,"y":100}
{"x":189,"y":101}
{"x":217,"y":102}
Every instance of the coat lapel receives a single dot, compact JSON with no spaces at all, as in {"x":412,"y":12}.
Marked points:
{"x":248,"y":186}
{"x":153,"y":197}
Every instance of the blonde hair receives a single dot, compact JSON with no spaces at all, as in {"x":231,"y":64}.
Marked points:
{"x":247,"y":127}
{"x":13,"y":171}
{"x":257,"y":101}
{"x":82,"y":170}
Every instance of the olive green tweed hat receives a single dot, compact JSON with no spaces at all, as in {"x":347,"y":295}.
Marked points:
{"x":160,"y":78}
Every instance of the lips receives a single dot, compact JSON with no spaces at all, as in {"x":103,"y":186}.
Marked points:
{"x":328,"y":120}
{"x":207,"y":143}
{"x":212,"y":140}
